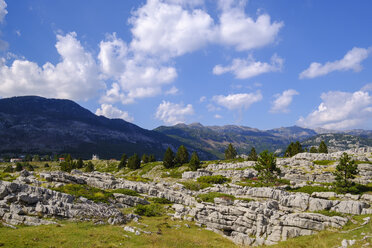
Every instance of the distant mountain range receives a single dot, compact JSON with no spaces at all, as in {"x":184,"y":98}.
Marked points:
{"x":36,"y":125}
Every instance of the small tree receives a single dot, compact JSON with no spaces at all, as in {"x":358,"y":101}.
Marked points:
{"x":252,"y":155}
{"x":345,"y":170}
{"x":266,"y":167}
{"x":89,"y":167}
{"x":36,"y":158}
{"x":168,"y":160}
{"x":152,"y":158}
{"x":313,"y":149}
{"x":230,"y":152}
{"x":145,"y":158}
{"x":293,"y":149}
{"x":79,"y":164}
{"x":323,"y":147}
{"x":134,"y":162}
{"x":123,"y":161}
{"x":65,"y":166}
{"x":182,"y":156}
{"x":18,"y":167}
{"x":194,"y":163}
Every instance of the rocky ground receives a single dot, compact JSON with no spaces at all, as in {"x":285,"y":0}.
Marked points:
{"x":246,"y":215}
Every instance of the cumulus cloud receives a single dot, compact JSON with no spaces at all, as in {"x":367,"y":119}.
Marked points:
{"x":238,"y":101}
{"x":3,"y":10}
{"x":241,"y":31}
{"x":75,"y":77}
{"x":112,"y":112}
{"x":340,"y":110}
{"x":367,"y":87}
{"x":172,"y":91}
{"x":173,"y":113}
{"x":282,"y":101}
{"x":217,"y":116}
{"x":247,"y":68}
{"x":351,"y":61}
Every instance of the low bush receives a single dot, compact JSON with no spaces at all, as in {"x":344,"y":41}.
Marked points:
{"x":149,"y":210}
{"x":196,"y":186}
{"x":172,"y":174}
{"x":209,"y":197}
{"x":138,"y":179}
{"x":217,"y":179}
{"x":4,"y":176}
{"x":9,"y":169}
{"x":91,"y":193}
{"x":126,"y":192}
{"x":310,"y":189}
{"x":323,"y":162}
{"x":160,"y":200}
{"x":355,"y":188}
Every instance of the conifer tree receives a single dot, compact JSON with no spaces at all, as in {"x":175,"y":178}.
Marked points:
{"x":252,"y":155}
{"x":323,"y":147}
{"x":230,"y":152}
{"x":145,"y":158}
{"x":168,"y":160}
{"x":79,"y":164}
{"x":266,"y":167}
{"x":89,"y":167}
{"x":182,"y":156}
{"x":345,"y":170}
{"x":134,"y":162}
{"x":123,"y":161}
{"x":194,"y":163}
{"x":152,"y":158}
{"x":313,"y":149}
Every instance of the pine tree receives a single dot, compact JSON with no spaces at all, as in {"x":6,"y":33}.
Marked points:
{"x":79,"y":164}
{"x":89,"y":167}
{"x":36,"y":158}
{"x":252,"y":155}
{"x":345,"y":170}
{"x":194,"y":163}
{"x":145,"y":158}
{"x":230,"y":152}
{"x":323,"y":147}
{"x":313,"y":149}
{"x":134,"y":162}
{"x":293,"y":149}
{"x":266,"y":167}
{"x":18,"y":167}
{"x":168,"y":160}
{"x":152,"y":158}
{"x":182,"y":156}
{"x":123,"y":161}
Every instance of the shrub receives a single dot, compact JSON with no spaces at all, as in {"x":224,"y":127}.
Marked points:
{"x":89,"y":167}
{"x":149,"y":210}
{"x":310,"y":189}
{"x":91,"y":193}
{"x":216,"y":179}
{"x":328,"y":213}
{"x":134,"y":162}
{"x":323,"y":162}
{"x":266,"y":167}
{"x":9,"y":169}
{"x":209,"y":197}
{"x":172,"y":174}
{"x":18,"y":167}
{"x":160,"y":200}
{"x":196,"y":186}
{"x":126,"y":192}
{"x":194,"y":162}
{"x":123,"y":161}
{"x":46,"y":165}
{"x":168,"y":160}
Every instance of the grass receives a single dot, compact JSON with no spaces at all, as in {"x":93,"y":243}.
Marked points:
{"x":329,"y":213}
{"x":254,"y":182}
{"x":138,"y":179}
{"x":149,"y":210}
{"x":7,"y":177}
{"x":310,"y":189}
{"x":209,"y":197}
{"x":160,"y":200}
{"x":125,"y":192}
{"x":196,"y":186}
{"x":333,"y":237}
{"x":216,"y":179}
{"x":324,"y":162}
{"x":86,"y":234}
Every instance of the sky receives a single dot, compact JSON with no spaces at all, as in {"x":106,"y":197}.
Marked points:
{"x":257,"y":63}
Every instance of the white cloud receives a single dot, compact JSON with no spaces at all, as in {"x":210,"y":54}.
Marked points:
{"x":172,"y":91}
{"x":110,"y":111}
{"x":172,"y":113}
{"x":351,"y":61}
{"x":3,"y":10}
{"x":75,"y":77}
{"x":340,"y":110}
{"x":202,"y":99}
{"x":282,"y":101}
{"x":247,"y":68}
{"x":238,"y":101}
{"x":241,"y":31}
{"x":217,"y":116}
{"x":169,"y":30}
{"x":367,"y":87}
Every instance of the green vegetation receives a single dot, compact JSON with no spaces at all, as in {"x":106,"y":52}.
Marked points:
{"x":323,"y":162}
{"x":149,"y":210}
{"x":313,"y":149}
{"x":323,"y":147}
{"x":134,"y":162}
{"x":123,"y":161}
{"x":172,"y":173}
{"x":182,"y":156}
{"x":125,"y":192}
{"x":196,"y":186}
{"x":293,"y":149}
{"x":160,"y":200}
{"x":137,"y":179}
{"x":230,"y":152}
{"x":310,"y":189}
{"x":252,"y":155}
{"x":87,"y":234}
{"x":329,"y":213}
{"x":91,"y":193}
{"x":168,"y":160}
{"x":254,"y":182}
{"x":89,"y":167}
{"x":209,"y":197}
{"x":145,"y":158}
{"x":4,"y":176}
{"x":216,"y":179}
{"x":345,"y":171}
{"x":266,"y":167}
{"x":194,"y":163}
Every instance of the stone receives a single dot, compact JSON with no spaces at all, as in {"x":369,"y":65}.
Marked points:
{"x":316,"y":204}
{"x":28,"y":198}
{"x":3,"y":191}
{"x":324,"y":195}
{"x":350,"y":207}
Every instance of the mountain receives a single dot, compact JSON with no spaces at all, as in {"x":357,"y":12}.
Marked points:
{"x":36,"y":125}
{"x":214,"y":139}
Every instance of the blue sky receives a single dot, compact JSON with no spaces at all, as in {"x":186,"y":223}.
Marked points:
{"x":262,"y":64}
